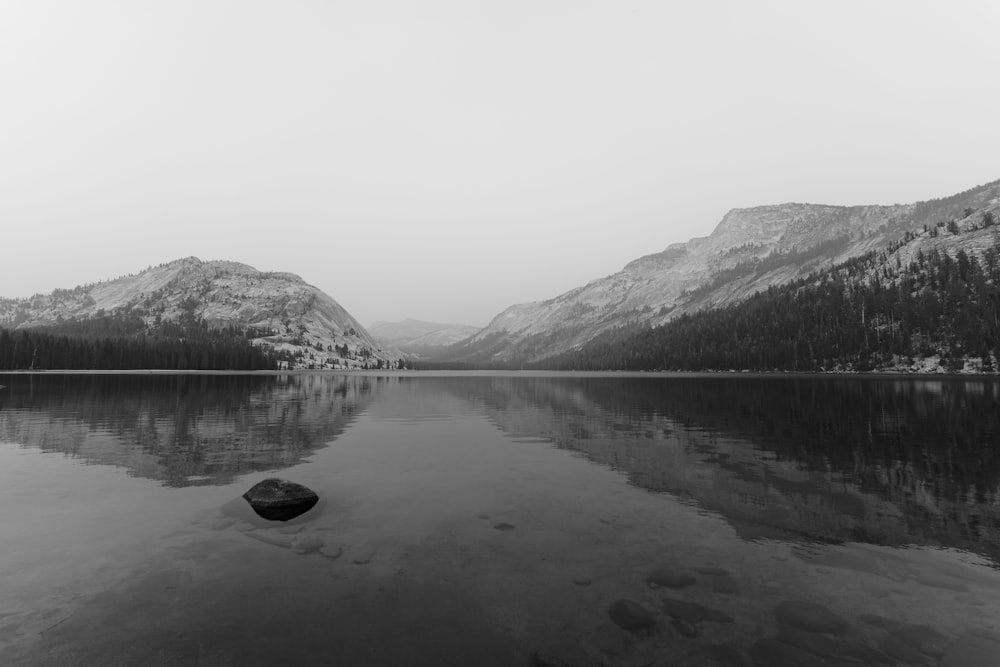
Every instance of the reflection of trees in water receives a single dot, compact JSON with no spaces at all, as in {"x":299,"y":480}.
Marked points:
{"x":888,"y":461}
{"x":182,"y":429}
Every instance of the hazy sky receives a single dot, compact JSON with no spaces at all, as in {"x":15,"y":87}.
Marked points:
{"x":444,"y":160}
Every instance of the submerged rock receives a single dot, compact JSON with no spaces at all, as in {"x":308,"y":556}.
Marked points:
{"x":686,"y":611}
{"x":280,"y":500}
{"x":631,"y":616}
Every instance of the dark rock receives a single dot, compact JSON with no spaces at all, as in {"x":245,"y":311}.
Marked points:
{"x":631,"y":616}
{"x":504,"y":526}
{"x":668,"y":578}
{"x":772,"y":653}
{"x":685,"y":611}
{"x":280,"y":500}
{"x":809,"y":616}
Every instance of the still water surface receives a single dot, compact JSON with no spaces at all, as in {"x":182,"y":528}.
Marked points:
{"x":484,"y":519}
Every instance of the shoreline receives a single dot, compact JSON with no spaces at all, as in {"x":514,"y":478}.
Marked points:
{"x":879,"y":374}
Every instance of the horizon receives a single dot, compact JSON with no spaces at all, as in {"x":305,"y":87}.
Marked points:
{"x":447,"y":161}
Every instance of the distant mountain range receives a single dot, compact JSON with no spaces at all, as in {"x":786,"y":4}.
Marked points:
{"x":861,"y":250}
{"x":417,"y":338}
{"x":749,"y":251}
{"x":279,"y":311}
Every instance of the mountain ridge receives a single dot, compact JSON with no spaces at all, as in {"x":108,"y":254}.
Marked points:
{"x":749,"y":250}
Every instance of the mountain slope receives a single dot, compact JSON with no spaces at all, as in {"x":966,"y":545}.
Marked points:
{"x":929,"y":303}
{"x":750,"y":250}
{"x":280,"y":310}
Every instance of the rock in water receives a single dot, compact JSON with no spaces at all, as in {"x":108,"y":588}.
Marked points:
{"x":280,"y":500}
{"x":631,"y":616}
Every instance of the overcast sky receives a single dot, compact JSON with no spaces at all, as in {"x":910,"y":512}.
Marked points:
{"x":444,"y":160}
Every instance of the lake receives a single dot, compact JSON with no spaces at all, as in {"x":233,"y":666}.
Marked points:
{"x":500,"y":519}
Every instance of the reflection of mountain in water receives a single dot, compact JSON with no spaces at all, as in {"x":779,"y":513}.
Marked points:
{"x":182,"y":429}
{"x":884,"y":461}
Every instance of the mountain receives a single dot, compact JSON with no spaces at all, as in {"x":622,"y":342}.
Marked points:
{"x":419,"y":338}
{"x":929,"y":303}
{"x":750,"y":250}
{"x":277,"y":310}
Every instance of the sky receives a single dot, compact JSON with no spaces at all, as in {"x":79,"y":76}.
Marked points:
{"x":442,"y":160}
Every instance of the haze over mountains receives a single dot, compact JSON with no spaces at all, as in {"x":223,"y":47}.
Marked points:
{"x":419,"y":338}
{"x":749,"y":251}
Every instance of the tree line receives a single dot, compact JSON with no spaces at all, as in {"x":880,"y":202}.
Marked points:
{"x":123,"y":341}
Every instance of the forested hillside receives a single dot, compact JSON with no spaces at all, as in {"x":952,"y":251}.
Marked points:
{"x":929,"y":302}
{"x":126,"y":342}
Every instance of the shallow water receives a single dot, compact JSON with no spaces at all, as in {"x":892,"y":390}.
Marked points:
{"x":498,"y":519}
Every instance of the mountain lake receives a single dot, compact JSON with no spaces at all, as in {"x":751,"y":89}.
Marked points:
{"x":500,"y":519}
